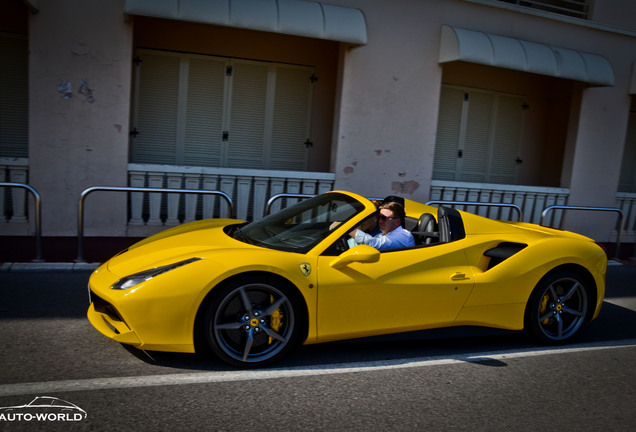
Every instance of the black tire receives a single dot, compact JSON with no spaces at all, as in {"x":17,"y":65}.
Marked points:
{"x":253,"y":321}
{"x":558,"y":307}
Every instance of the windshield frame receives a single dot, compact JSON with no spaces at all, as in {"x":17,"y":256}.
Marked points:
{"x":302,"y":226}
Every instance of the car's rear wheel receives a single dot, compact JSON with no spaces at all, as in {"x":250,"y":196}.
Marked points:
{"x":252,"y":322}
{"x":558,"y":307}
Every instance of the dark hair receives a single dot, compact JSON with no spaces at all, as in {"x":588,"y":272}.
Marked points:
{"x":394,"y":198}
{"x":397,"y":210}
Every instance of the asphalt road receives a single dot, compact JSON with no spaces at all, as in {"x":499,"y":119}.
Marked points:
{"x":457,"y":379}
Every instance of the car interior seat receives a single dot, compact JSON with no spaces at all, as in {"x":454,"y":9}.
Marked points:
{"x":425,"y":232}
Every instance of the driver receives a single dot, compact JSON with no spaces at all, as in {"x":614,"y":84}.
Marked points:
{"x":392,"y":236}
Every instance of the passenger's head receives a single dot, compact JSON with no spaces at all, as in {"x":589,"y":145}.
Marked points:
{"x":390,"y":216}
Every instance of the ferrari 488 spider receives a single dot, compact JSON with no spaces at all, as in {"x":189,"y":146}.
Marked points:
{"x":250,"y":292}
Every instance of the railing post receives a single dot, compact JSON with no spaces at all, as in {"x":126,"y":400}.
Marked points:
{"x":86,"y":192}
{"x":487,"y":204}
{"x":609,"y":209}
{"x":38,"y":216}
{"x":276,"y":197}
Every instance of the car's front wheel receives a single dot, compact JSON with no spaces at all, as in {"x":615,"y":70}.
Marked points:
{"x":252,"y":322}
{"x":558,"y":307}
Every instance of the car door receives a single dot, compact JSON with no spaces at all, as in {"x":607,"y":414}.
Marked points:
{"x":403,"y":290}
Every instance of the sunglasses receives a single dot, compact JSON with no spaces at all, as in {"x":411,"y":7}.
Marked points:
{"x":383,"y":217}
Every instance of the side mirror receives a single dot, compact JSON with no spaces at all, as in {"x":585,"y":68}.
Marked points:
{"x":359,"y":254}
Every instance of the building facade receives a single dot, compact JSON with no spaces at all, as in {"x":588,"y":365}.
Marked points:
{"x":503,"y":101}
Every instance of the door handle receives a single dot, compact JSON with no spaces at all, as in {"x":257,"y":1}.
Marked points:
{"x":458,"y":276}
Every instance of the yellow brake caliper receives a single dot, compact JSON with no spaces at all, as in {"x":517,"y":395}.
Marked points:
{"x":275,"y":319}
{"x":544,"y":307}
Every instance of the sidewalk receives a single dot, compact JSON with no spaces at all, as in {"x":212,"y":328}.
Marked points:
{"x":49,"y":266}
{"x":15,"y":249}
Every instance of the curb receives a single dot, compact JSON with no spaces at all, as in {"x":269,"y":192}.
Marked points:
{"x":48,"y":266}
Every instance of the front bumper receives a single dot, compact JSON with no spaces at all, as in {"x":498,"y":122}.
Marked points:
{"x":107,"y":320}
{"x":157,"y":315}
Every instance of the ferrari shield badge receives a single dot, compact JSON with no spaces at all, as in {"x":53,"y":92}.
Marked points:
{"x":305,"y":268}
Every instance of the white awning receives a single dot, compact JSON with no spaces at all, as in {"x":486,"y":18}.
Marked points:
{"x":510,"y":53}
{"x":293,"y":17}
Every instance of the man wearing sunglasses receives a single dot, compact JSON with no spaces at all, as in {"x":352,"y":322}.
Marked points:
{"x":392,"y":236}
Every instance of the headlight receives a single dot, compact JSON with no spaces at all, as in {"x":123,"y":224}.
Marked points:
{"x":137,"y":278}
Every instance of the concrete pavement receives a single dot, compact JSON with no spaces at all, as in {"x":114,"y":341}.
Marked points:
{"x":48,"y":266}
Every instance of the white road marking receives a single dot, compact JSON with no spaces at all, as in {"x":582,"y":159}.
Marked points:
{"x":51,"y":387}
{"x":626,"y":302}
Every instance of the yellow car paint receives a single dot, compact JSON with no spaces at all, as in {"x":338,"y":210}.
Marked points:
{"x":354,"y":293}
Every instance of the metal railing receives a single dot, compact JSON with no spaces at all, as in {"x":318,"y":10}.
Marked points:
{"x":273,"y":198}
{"x":487,"y":204}
{"x":477,"y":203}
{"x":38,"y":215}
{"x":605,"y":209}
{"x":249,"y":188}
{"x":86,"y":192}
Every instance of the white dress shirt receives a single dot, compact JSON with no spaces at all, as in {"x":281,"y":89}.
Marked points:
{"x":397,"y":238}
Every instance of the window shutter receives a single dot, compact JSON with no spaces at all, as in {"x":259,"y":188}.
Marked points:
{"x":208,"y":111}
{"x":204,"y":112}
{"x":291,"y":116}
{"x":14,"y":96}
{"x":449,"y":126}
{"x":474,"y":161}
{"x":158,"y":100}
{"x":247,"y":115}
{"x":478,"y":136}
{"x":505,"y":146}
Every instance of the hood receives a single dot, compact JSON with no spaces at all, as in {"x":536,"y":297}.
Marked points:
{"x":176,"y":244}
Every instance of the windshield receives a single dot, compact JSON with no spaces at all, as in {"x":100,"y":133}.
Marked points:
{"x":302,"y":226}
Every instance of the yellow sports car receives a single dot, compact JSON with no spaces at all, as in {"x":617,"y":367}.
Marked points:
{"x":250,"y":292}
